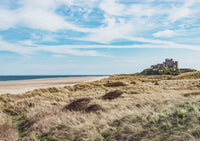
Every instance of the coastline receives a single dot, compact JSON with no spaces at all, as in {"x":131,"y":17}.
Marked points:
{"x":39,"y":77}
{"x":22,"y":86}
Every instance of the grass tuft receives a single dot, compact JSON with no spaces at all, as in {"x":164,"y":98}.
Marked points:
{"x":191,"y":94}
{"x":7,"y":133}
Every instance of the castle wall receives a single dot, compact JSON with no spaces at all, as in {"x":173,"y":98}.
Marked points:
{"x":170,"y":64}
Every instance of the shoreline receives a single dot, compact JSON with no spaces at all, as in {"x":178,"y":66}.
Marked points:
{"x":64,"y":76}
{"x":22,"y":86}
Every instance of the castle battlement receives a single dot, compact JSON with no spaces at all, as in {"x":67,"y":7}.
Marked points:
{"x":169,"y":64}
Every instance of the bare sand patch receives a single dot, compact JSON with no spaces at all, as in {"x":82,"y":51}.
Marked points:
{"x":16,"y":87}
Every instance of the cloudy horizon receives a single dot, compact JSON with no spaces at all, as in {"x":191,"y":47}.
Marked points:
{"x":97,"y":36}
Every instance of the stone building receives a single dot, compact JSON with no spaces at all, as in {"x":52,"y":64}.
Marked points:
{"x":169,"y":64}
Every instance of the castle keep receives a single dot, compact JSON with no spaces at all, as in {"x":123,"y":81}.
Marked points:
{"x":168,"y":67}
{"x":169,"y":64}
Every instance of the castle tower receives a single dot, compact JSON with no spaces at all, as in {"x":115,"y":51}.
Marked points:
{"x":176,"y":63}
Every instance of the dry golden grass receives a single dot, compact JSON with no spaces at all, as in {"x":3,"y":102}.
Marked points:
{"x":7,"y":133}
{"x":2,"y":117}
{"x":189,"y":75}
{"x":150,"y":108}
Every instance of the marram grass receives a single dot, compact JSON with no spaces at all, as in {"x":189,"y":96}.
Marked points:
{"x":148,"y":108}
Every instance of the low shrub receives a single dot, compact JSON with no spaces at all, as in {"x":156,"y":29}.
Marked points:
{"x":115,"y":84}
{"x":113,"y":94}
{"x":133,"y":82}
{"x":191,"y":94}
{"x":93,"y":108}
{"x":78,"y":105}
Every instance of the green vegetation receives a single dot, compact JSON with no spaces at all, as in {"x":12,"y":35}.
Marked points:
{"x":191,"y":94}
{"x":178,"y":71}
{"x":187,"y":70}
{"x":166,"y":71}
{"x":157,"y":71}
{"x":145,"y":72}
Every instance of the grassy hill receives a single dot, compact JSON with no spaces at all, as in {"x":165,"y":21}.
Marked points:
{"x":122,"y":107}
{"x":165,"y":71}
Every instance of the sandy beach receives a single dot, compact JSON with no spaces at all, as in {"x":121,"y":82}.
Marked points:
{"x":16,"y":87}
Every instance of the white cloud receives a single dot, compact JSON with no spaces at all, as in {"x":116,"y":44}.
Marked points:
{"x":8,"y":19}
{"x":26,"y":43}
{"x":36,"y":14}
{"x":186,"y":10}
{"x":67,"y":50}
{"x":75,"y":49}
{"x":112,"y":8}
{"x":121,"y":21}
{"x":112,"y":31}
{"x":41,"y":19}
{"x":165,"y":33}
{"x":141,"y":10}
{"x":179,"y":13}
{"x":5,"y":46}
{"x":42,"y":15}
{"x":59,"y":56}
{"x":21,"y":48}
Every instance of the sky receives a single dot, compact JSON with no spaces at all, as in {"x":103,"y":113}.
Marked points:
{"x":72,"y":37}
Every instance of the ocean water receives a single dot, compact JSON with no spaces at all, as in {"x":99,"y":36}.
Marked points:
{"x":30,"y":77}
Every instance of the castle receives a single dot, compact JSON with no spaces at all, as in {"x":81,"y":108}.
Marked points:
{"x":168,"y":67}
{"x":169,"y":64}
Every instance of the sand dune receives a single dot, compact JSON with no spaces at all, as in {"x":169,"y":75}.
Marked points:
{"x":121,"y":107}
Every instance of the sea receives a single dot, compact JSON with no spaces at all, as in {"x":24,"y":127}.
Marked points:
{"x":31,"y":77}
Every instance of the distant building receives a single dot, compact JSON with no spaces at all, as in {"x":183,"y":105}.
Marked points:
{"x":169,"y":64}
{"x":168,"y":67}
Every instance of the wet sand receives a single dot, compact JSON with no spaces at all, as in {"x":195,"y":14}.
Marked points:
{"x":16,"y":87}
